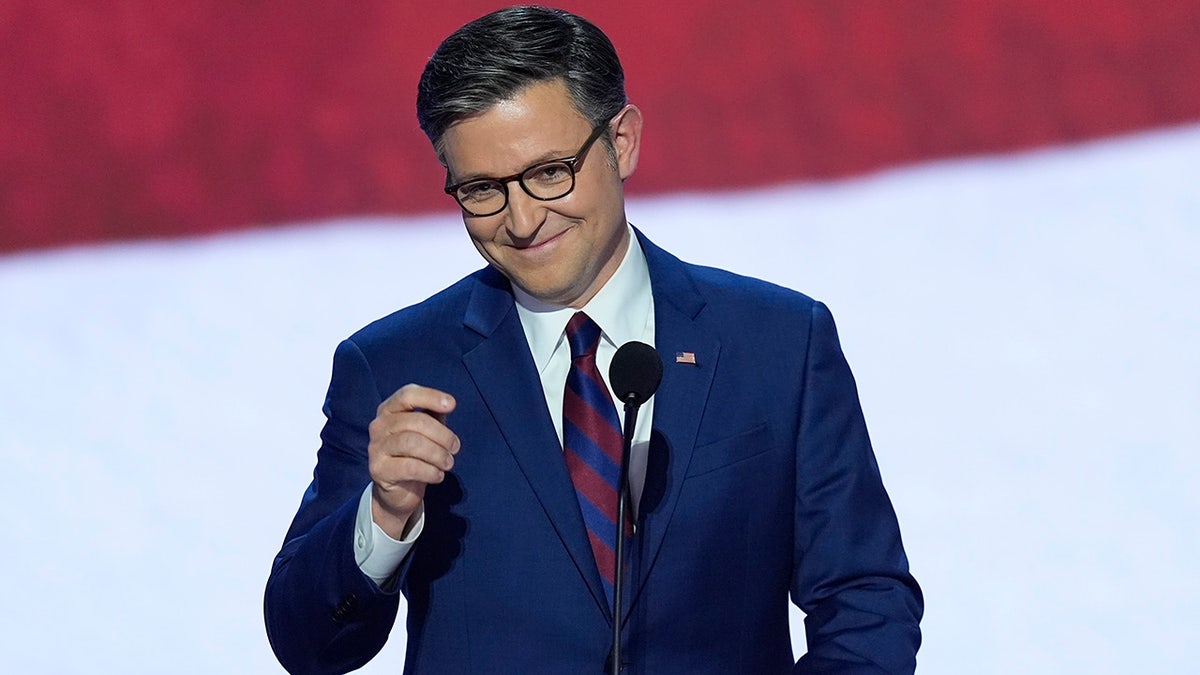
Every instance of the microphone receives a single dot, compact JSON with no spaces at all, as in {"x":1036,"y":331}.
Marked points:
{"x":634,"y":374}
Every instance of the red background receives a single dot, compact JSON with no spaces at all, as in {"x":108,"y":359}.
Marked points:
{"x":132,"y":119}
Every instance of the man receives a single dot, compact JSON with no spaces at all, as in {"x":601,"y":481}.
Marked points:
{"x":453,"y":469}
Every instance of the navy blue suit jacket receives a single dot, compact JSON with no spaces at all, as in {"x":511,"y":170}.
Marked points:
{"x":761,"y":484}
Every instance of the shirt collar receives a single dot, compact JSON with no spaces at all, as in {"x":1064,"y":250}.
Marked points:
{"x":621,"y":308}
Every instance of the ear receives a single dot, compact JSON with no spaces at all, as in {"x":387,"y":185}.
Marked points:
{"x":627,"y":139}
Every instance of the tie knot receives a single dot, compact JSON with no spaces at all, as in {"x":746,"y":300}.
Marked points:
{"x":583,"y":334}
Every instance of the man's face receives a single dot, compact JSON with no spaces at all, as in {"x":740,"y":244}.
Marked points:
{"x":559,"y":251}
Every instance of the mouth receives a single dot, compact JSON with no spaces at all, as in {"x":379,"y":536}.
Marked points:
{"x":536,"y":246}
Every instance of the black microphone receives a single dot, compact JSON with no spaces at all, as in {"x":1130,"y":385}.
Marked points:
{"x":634,"y":374}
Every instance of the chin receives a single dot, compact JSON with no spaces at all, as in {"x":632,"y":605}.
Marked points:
{"x":554,"y":294}
{"x":543,"y":285}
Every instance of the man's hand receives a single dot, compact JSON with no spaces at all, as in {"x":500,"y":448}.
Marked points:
{"x":410,"y":448}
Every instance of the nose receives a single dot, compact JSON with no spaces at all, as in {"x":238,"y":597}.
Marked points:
{"x":525,"y":214}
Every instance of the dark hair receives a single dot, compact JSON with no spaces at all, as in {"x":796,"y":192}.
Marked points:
{"x":496,"y":56}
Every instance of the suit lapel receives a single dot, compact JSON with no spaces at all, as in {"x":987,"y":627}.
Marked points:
{"x":503,"y":371}
{"x":681,"y":398}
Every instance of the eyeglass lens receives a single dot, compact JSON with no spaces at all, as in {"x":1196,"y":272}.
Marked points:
{"x":551,"y":180}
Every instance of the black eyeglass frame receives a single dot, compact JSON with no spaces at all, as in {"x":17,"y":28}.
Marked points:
{"x":572,"y":163}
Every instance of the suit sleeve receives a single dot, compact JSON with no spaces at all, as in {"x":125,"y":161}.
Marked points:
{"x":851,"y":575}
{"x":323,"y":615}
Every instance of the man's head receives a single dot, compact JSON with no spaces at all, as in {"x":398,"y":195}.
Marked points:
{"x":494,"y":57}
{"x":504,"y":98}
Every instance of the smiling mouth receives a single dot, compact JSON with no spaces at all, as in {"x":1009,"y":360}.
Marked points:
{"x":537,"y":245}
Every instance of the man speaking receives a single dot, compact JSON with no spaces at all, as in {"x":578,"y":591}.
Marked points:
{"x":472,"y":450}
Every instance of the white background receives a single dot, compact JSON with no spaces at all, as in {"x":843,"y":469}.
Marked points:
{"x":1024,"y":331}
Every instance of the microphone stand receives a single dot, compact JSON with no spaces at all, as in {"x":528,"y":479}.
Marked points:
{"x":623,"y":507}
{"x":635,"y":373}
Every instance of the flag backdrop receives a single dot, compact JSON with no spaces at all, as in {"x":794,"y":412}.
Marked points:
{"x":131,"y":119}
{"x":998,"y":199}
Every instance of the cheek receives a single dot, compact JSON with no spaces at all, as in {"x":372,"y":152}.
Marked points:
{"x":481,"y":230}
{"x":584,"y":204}
{"x":602,"y":194}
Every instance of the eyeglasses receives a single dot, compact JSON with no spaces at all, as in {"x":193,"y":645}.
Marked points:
{"x":544,"y":181}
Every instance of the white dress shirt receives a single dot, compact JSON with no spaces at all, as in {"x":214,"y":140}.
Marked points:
{"x":624,"y":310}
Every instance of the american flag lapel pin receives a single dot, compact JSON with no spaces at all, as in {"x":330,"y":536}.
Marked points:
{"x":685,"y":357}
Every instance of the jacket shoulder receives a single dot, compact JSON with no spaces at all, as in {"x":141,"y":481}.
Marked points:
{"x":425,"y":324}
{"x":733,"y":291}
{"x":720,"y":291}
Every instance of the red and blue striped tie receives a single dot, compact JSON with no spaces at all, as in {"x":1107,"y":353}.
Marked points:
{"x":592,"y":443}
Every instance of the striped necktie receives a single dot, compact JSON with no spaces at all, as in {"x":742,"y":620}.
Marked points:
{"x":592,"y":443}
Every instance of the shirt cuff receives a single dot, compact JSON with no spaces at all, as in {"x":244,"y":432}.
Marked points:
{"x":377,"y":554}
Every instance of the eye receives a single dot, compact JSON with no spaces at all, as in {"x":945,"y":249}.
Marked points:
{"x":479,"y":190}
{"x":550,"y":173}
